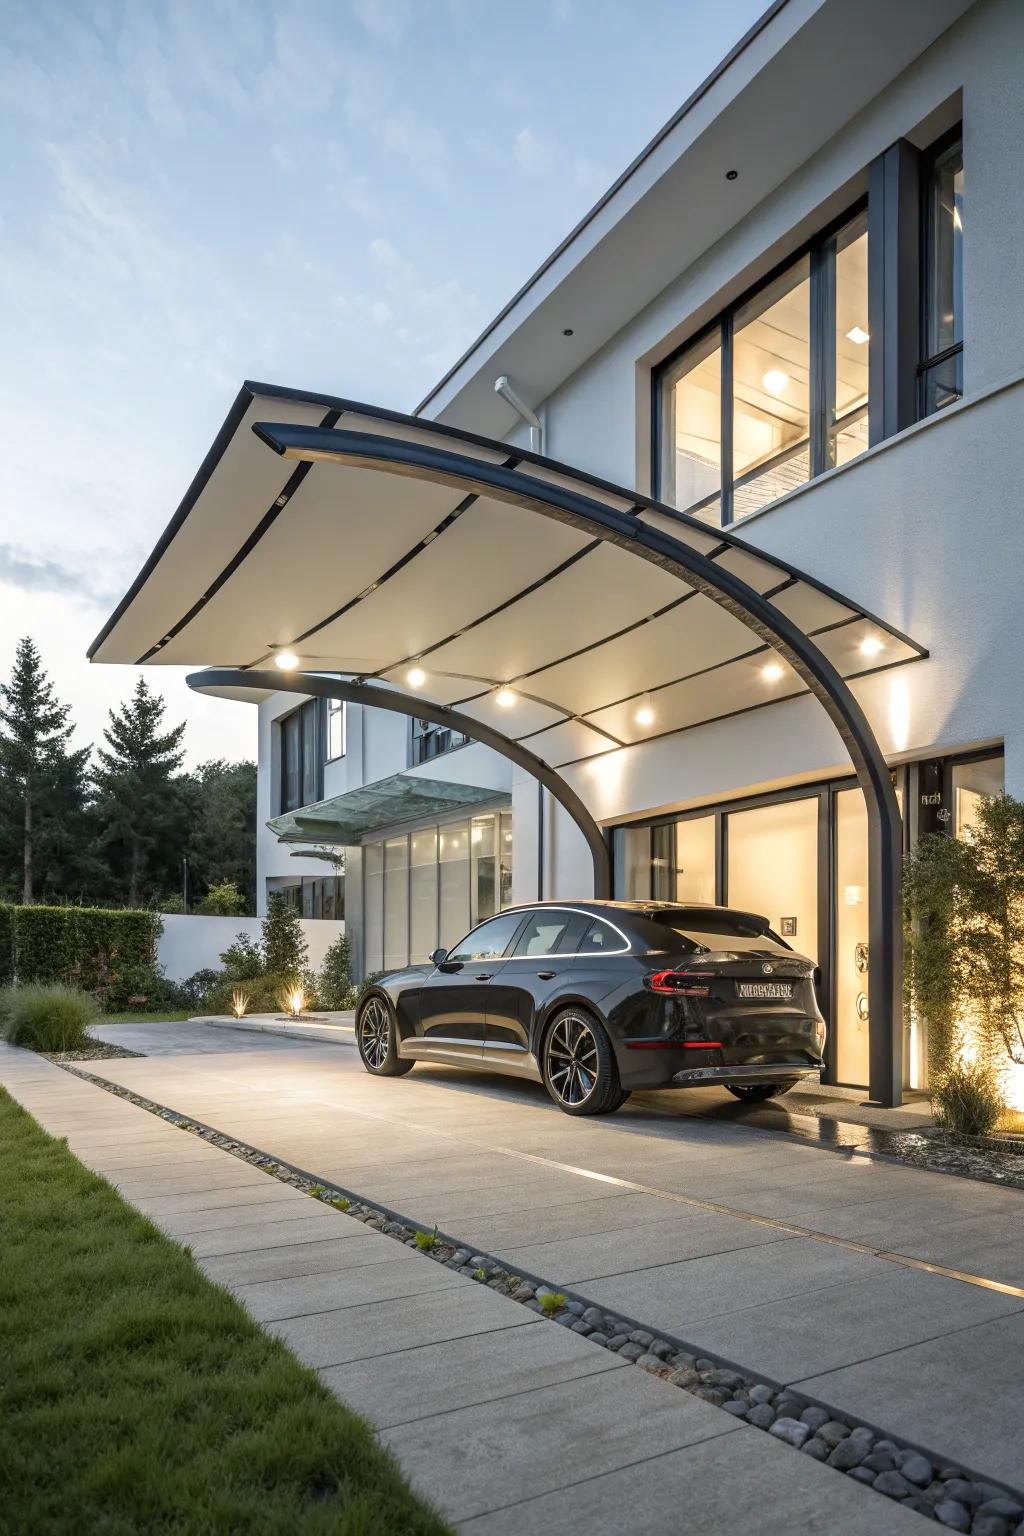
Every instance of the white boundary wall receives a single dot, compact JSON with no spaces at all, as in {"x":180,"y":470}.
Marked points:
{"x":194,"y":943}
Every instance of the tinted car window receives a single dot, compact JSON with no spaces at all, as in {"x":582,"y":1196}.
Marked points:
{"x":543,"y":933}
{"x":599,"y":939}
{"x":488,"y":941}
{"x":719,"y":930}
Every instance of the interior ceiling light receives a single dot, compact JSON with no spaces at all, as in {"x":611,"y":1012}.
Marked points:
{"x":505,"y":697}
{"x":772,"y":671}
{"x":286,"y":660}
{"x":415,"y":677}
{"x":871,"y":645}
{"x":645,"y":713}
{"x":857,"y":334}
{"x":775,"y":381}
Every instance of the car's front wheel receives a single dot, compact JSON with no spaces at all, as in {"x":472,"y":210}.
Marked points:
{"x":756,"y":1093}
{"x":579,"y":1065}
{"x":377,"y":1039}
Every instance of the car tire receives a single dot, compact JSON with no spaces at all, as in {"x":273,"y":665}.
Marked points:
{"x":580,"y":1073}
{"x":377,"y":1039}
{"x":756,"y":1093}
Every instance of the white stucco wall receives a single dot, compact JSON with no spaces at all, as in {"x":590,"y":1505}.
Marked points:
{"x":192,"y":943}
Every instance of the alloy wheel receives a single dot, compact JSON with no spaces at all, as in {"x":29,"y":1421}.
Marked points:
{"x":572,"y":1060}
{"x":375,"y":1034}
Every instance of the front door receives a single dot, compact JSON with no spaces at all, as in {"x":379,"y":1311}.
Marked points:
{"x":453,"y":1002}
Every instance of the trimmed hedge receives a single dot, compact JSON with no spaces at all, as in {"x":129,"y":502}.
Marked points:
{"x":98,"y":949}
{"x":6,"y":944}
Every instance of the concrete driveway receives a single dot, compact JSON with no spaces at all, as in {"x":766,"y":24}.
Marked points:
{"x":899,"y":1299}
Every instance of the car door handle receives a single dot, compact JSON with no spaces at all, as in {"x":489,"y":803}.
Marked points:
{"x":545,"y":975}
{"x":484,"y":975}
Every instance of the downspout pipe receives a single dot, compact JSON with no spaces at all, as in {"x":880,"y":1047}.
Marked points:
{"x":504,"y":387}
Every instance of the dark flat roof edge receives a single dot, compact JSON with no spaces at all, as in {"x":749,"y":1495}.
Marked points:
{"x":606,"y":197}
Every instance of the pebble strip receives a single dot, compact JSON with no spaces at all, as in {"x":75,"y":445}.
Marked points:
{"x":926,"y":1483}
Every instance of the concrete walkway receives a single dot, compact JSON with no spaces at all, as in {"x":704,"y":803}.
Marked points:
{"x":507,"y":1422}
{"x":618,"y":1210}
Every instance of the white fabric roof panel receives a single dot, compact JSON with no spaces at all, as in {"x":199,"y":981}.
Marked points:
{"x":393,"y":551}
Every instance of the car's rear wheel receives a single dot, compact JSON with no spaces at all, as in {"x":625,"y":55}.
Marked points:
{"x":756,"y":1093}
{"x":377,"y":1039}
{"x":579,"y":1065}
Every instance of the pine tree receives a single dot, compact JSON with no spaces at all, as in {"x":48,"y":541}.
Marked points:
{"x":42,"y":781}
{"x":141,"y":804}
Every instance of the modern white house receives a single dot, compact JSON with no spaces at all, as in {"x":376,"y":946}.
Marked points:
{"x":798,"y":319}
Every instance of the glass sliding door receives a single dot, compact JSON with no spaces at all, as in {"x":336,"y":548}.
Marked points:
{"x":695,"y":860}
{"x":772,"y":868}
{"x":483,"y":886}
{"x":850,"y":965}
{"x":453,"y":869}
{"x":396,"y":903}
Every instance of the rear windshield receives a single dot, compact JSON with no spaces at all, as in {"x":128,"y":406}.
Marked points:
{"x":707,"y":930}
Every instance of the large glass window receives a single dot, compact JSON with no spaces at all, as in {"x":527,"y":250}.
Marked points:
{"x":940,"y":373}
{"x":301,"y":756}
{"x":396,"y":902}
{"x":483,"y":888}
{"x":422,"y":895}
{"x":373,"y":907}
{"x":972,"y":782}
{"x":775,"y":391}
{"x":335,"y":728}
{"x":453,"y":855}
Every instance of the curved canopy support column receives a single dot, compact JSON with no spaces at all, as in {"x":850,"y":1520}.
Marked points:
{"x":315,"y":685}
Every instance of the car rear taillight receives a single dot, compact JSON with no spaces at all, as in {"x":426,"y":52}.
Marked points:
{"x":679,"y":983}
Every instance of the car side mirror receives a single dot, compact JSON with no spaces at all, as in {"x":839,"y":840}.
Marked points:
{"x":439,"y":957}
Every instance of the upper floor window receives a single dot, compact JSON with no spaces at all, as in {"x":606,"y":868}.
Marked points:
{"x":940,"y":371}
{"x":430,"y":741}
{"x":775,"y":391}
{"x":302,"y":766}
{"x":335,"y":729}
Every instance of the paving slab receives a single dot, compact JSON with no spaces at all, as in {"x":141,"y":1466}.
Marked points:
{"x":415,"y":1384}
{"x":396,"y":1272}
{"x":471,"y":1460}
{"x":279,"y":1227}
{"x":382,"y":1327}
{"x":745,"y":1482}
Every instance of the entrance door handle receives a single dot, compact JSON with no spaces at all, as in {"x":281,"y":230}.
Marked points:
{"x":484,"y":975}
{"x":545,"y":975}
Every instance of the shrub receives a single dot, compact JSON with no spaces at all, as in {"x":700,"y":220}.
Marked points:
{"x":334,"y":984}
{"x":968,"y":1098}
{"x":263,"y":993}
{"x":90,"y":947}
{"x":223,"y":899}
{"x":243,"y":960}
{"x":50,"y":1017}
{"x":285,"y":952}
{"x":194,"y":988}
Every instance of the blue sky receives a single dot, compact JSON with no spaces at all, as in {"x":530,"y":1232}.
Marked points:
{"x":331,"y":194}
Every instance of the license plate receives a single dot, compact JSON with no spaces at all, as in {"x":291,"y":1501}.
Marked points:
{"x":767,"y":991}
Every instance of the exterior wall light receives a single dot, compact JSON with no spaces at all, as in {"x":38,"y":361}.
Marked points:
{"x":773,"y":671}
{"x":286,"y":660}
{"x":415,"y":677}
{"x":505,"y":697}
{"x":871,"y":646}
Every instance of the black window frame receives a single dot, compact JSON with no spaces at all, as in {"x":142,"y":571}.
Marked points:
{"x":926,"y":361}
{"x":427,"y":741}
{"x":309,"y":722}
{"x":820,"y":253}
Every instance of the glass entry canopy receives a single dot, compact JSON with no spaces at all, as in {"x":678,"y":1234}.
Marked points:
{"x":392,"y":550}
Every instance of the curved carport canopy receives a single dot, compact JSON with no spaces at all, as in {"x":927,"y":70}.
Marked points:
{"x":551,"y":612}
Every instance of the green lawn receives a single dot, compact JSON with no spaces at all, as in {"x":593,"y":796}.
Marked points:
{"x":154,"y":1016}
{"x":135,"y":1396}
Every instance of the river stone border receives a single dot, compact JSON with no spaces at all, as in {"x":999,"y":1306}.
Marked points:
{"x":919,"y":1480}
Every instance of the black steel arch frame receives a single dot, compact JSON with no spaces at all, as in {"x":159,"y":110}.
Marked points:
{"x":319,"y":685}
{"x":885,"y":832}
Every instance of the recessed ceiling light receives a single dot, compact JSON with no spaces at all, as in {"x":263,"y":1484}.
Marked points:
{"x":287,"y":660}
{"x":568,"y":331}
{"x":775,"y":381}
{"x":857,"y":334}
{"x":772,"y":671}
{"x":871,"y":645}
{"x":415,"y":677}
{"x":731,"y":175}
{"x":505,"y":697}
{"x":645,"y":714}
